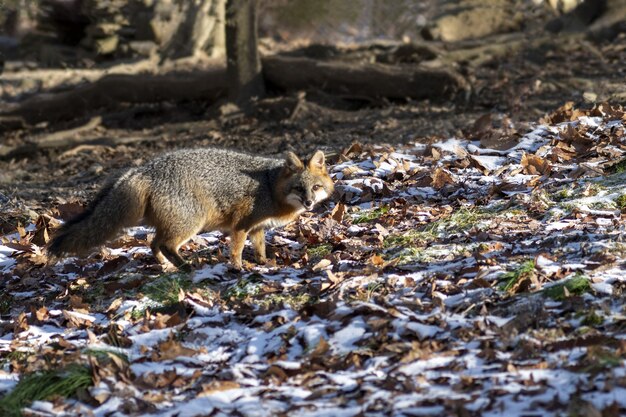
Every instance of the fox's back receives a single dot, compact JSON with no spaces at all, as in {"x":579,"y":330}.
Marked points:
{"x":221,"y":175}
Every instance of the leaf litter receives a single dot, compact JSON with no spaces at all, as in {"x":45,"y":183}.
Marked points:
{"x":446,"y":278}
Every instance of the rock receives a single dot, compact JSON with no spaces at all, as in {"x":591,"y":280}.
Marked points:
{"x":472,"y":19}
{"x":106,"y":46}
{"x":564,"y":6}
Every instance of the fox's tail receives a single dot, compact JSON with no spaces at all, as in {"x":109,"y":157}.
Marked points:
{"x":120,"y":203}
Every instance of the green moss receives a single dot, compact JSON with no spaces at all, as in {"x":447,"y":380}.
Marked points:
{"x":319,"y":251}
{"x":6,"y":302}
{"x":599,"y":358}
{"x":618,"y":168}
{"x":411,"y":255}
{"x":592,"y":319}
{"x":94,"y":293}
{"x":412,"y":238}
{"x":294,"y":301}
{"x":512,"y":277}
{"x":369,"y":215}
{"x":602,"y":205}
{"x":249,"y":286}
{"x":460,"y":220}
{"x":621,"y":202}
{"x":43,"y":386}
{"x":564,"y":194}
{"x":577,"y":285}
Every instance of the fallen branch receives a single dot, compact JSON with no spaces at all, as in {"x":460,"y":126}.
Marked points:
{"x":31,"y":149}
{"x":373,"y":80}
{"x":112,"y":90}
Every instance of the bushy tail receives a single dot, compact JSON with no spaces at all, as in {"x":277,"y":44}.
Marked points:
{"x":120,"y":203}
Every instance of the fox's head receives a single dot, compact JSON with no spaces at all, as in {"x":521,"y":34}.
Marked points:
{"x":305,"y":184}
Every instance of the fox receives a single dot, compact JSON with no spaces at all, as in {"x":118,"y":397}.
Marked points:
{"x":184,"y":192}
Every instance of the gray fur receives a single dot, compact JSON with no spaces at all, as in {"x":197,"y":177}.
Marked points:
{"x":184,"y":192}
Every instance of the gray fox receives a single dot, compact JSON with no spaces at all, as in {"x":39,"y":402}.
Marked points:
{"x":186,"y":191}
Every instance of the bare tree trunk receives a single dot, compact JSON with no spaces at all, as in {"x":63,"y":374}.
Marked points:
{"x":200,"y":28}
{"x":244,"y":65}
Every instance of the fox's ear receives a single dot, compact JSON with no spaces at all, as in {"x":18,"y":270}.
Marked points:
{"x":293,"y":163}
{"x":317,"y":161}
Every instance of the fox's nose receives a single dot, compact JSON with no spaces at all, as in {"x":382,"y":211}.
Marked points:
{"x":308,"y":204}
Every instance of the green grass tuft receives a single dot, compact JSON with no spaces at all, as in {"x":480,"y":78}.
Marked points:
{"x":621,"y":202}
{"x":592,"y":319}
{"x":6,"y":302}
{"x":577,"y":285}
{"x":369,"y":215}
{"x":166,"y":288}
{"x":618,"y":168}
{"x":512,"y":277}
{"x":43,"y":386}
{"x":563,"y":195}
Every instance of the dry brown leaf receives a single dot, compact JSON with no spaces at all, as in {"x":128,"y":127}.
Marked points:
{"x":76,"y":319}
{"x":115,"y":304}
{"x":377,"y":260}
{"x":334,"y":278}
{"x":40,"y":314}
{"x":277,"y":372}
{"x":440,"y":178}
{"x":68,"y":210}
{"x":321,"y":348}
{"x":324,"y":263}
{"x":217,"y":386}
{"x":163,"y":321}
{"x":483,"y":123}
{"x":535,"y":165}
{"x":171,"y":349}
{"x":41,"y":236}
{"x":77,"y":304}
{"x":163,"y":380}
{"x":21,"y":324}
{"x":338,"y":212}
{"x":381,"y":229}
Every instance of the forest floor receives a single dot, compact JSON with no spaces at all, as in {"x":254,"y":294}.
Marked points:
{"x":471,"y":263}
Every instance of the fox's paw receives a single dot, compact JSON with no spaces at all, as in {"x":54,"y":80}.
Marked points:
{"x":236,"y":266}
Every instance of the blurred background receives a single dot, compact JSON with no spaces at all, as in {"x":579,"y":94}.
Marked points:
{"x":78,"y":32}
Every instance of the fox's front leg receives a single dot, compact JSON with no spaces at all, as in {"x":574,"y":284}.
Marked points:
{"x":258,"y":241}
{"x":237,"y":241}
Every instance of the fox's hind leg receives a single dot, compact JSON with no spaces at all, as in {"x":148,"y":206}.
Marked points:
{"x":166,"y":244}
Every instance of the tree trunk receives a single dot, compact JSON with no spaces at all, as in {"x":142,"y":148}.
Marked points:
{"x":200,"y":28}
{"x":243,"y":62}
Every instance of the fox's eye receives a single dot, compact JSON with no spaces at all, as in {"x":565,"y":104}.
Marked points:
{"x":299,"y":189}
{"x":317,"y":187}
